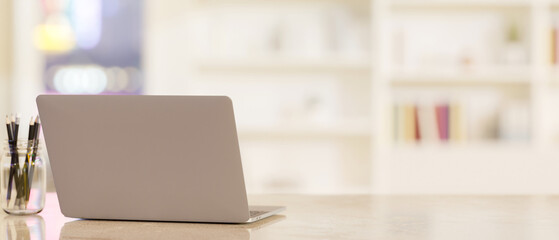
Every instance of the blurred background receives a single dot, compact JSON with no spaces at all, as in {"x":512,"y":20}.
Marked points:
{"x":330,"y":96}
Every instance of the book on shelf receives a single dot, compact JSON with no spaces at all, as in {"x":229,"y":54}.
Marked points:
{"x":429,"y":123}
{"x":441,"y":112}
{"x":554,"y":41}
{"x":456,"y":117}
{"x":553,"y":47}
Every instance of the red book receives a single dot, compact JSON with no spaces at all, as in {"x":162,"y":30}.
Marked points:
{"x":441,"y":112}
{"x":416,"y":123}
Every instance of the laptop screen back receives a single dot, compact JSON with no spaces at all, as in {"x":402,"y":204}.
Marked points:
{"x":168,"y":158}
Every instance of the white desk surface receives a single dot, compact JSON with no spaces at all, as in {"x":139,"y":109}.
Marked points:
{"x":326,"y":217}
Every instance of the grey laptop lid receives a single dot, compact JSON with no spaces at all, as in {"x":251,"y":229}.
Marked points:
{"x":168,"y":158}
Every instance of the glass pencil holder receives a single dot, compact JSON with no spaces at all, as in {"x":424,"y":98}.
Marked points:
{"x":22,"y":178}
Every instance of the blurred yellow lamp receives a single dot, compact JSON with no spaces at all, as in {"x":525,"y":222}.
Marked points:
{"x":54,"y":38}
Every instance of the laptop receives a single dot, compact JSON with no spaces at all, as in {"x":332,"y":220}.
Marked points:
{"x":154,"y":158}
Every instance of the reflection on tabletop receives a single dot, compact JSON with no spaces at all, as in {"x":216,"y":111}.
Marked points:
{"x":50,"y":224}
{"x":23,"y":227}
{"x":97,"y":229}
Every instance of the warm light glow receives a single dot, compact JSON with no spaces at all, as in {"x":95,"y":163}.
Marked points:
{"x":55,"y":35}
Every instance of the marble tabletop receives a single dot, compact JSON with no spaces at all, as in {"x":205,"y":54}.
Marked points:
{"x":325,"y":217}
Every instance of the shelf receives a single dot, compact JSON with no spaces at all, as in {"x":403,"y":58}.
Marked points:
{"x":459,"y":4}
{"x":359,"y":130}
{"x":461,"y":83}
{"x":221,"y":2}
{"x":281,"y":64}
{"x":456,"y":149}
{"x":504,"y":170}
{"x":506,"y":77}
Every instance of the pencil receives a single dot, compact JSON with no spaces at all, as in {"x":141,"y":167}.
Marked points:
{"x":27,"y":165}
{"x":15,"y":159}
{"x":16,"y":129}
{"x":36,"y":131}
{"x":9,"y":128}
{"x":13,"y":153}
{"x":10,"y":141}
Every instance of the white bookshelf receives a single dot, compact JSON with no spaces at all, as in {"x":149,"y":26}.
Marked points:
{"x":476,"y":166}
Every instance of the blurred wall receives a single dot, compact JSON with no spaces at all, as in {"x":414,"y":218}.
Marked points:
{"x":27,"y":61}
{"x":5,"y":55}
